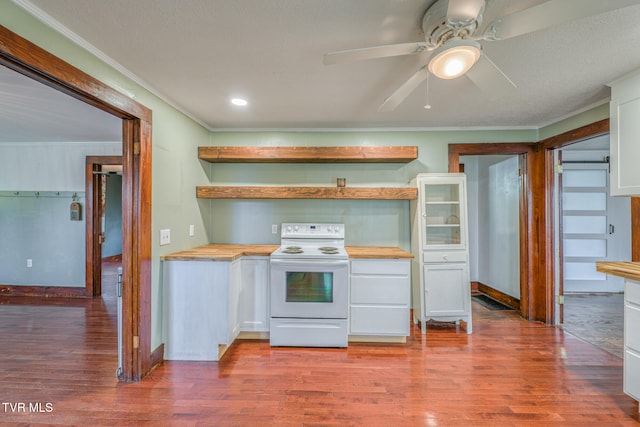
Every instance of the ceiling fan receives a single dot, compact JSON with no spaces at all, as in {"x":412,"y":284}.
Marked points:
{"x":453,"y":34}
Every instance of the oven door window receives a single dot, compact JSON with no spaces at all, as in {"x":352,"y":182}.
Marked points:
{"x":309,"y":287}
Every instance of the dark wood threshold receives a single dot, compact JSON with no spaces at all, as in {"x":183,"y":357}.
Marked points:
{"x":42,"y":291}
{"x":499,"y":296}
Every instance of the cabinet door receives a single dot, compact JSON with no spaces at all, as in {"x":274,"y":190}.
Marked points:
{"x":447,"y":292}
{"x":254,"y":297}
{"x":235,"y":299}
{"x":443,"y":212}
{"x":624,"y":132}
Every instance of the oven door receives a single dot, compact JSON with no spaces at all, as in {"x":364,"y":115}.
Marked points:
{"x":309,"y":288}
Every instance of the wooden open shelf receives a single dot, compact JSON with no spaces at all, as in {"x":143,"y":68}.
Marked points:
{"x":347,"y":154}
{"x":269,"y":192}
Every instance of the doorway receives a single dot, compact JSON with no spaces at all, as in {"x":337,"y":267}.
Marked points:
{"x":494,"y":191}
{"x":99,"y":172}
{"x":32,"y":61}
{"x":591,"y":226}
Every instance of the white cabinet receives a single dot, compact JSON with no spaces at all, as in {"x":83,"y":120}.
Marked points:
{"x":632,"y":338}
{"x":380,"y":297}
{"x":207,"y":304}
{"x":200,"y":308}
{"x":439,"y":242}
{"x":254,"y":294}
{"x":624,"y":111}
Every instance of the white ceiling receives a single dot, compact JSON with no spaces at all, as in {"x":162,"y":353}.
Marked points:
{"x":198,"y":54}
{"x":33,"y":112}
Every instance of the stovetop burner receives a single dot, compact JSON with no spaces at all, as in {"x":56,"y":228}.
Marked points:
{"x":328,"y":250}
{"x":303,"y":241}
{"x":292,"y":250}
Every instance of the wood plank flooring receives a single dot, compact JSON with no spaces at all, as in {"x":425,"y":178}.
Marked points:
{"x":59,"y":357}
{"x":597,"y":319}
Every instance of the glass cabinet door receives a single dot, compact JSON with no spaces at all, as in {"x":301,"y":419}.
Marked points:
{"x":442,"y":214}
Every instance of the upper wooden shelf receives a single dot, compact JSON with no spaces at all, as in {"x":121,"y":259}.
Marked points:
{"x":350,"y":154}
{"x":271,"y":192}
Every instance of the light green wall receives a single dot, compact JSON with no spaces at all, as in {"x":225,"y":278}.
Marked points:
{"x":176,"y":169}
{"x":591,"y":116}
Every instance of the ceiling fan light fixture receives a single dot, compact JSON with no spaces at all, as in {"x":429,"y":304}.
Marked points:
{"x":454,"y":58}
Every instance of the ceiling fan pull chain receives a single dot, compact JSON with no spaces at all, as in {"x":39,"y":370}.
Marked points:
{"x":427,"y":106}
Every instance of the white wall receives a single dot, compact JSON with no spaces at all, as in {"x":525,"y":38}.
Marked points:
{"x":494,"y":215}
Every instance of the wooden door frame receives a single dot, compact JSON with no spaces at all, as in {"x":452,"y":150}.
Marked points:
{"x":526,"y":151}
{"x":538,"y":294}
{"x":93,"y":251}
{"x":34,"y":62}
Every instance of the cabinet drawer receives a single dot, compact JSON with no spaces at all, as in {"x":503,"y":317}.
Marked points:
{"x":381,"y":266}
{"x":445,"y":256}
{"x":632,"y":292}
{"x":380,"y":290}
{"x":632,"y":374}
{"x":631,"y":330}
{"x":379,"y":320}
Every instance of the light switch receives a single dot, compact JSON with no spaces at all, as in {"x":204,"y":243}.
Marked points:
{"x":165,"y":237}
{"x":192,"y":230}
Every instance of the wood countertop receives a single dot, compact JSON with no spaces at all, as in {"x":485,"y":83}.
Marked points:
{"x":628,"y":270}
{"x":227,"y":252}
{"x":220,"y":252}
{"x":390,"y":252}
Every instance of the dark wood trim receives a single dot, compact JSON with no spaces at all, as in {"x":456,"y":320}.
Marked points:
{"x":27,"y":58}
{"x":499,"y":296}
{"x":474,"y":287}
{"x":157,"y":356}
{"x":529,"y":278}
{"x":93,"y":249}
{"x":560,"y":249}
{"x":575,"y":135}
{"x":547,"y":230}
{"x":42,"y":291}
{"x":287,"y":154}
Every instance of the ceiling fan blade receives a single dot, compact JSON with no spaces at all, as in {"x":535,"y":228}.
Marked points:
{"x":375,"y":52}
{"x":403,"y":91}
{"x":490,"y":79}
{"x":464,"y":10}
{"x":548,"y":14}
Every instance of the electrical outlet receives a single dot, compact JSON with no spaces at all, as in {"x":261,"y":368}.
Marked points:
{"x":165,"y":237}
{"x":274,"y":228}
{"x":192,"y":230}
{"x":29,"y":263}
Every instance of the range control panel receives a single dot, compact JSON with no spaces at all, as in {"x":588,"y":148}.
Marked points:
{"x":312,"y":231}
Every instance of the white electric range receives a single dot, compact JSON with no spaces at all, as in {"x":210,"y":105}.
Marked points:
{"x":309,"y":286}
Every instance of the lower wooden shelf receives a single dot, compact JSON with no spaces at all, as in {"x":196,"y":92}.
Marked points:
{"x":287,"y":192}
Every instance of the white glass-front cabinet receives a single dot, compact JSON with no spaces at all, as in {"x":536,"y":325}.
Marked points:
{"x":439,"y":242}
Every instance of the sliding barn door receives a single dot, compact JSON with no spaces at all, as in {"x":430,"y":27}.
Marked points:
{"x":595,"y":227}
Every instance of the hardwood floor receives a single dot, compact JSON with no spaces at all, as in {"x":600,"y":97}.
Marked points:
{"x":597,"y":319}
{"x":58,"y":359}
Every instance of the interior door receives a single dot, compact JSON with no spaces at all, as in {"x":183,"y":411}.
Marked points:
{"x":595,"y":227}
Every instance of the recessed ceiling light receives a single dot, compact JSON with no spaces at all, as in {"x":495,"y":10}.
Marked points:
{"x":239,"y":102}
